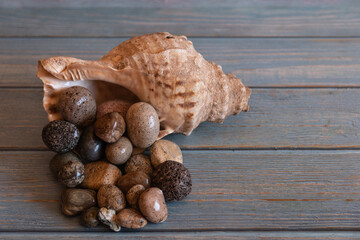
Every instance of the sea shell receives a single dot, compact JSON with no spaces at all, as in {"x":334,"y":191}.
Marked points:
{"x":161,"y":69}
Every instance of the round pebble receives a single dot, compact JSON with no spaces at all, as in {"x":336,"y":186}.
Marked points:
{"x":60,"y":159}
{"x":119,"y":152}
{"x":132,"y":196}
{"x":90,"y":147}
{"x":139,"y":162}
{"x":72,"y":174}
{"x":74,"y":201}
{"x":110,"y":196}
{"x":130,"y":218}
{"x":130,"y":179}
{"x":143,"y":124}
{"x":60,"y":136}
{"x":174,"y":179}
{"x":119,"y":106}
{"x":152,"y":205}
{"x":89,"y":217}
{"x":163,"y":150}
{"x":77,"y":105}
{"x":110,"y":127}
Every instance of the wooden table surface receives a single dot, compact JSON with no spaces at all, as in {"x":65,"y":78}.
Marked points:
{"x":287,"y":169}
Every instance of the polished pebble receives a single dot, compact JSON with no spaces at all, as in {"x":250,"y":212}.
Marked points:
{"x":90,"y":147}
{"x":119,"y":152}
{"x":110,"y":127}
{"x":132,"y":196}
{"x":143,"y":125}
{"x":60,"y":159}
{"x":77,"y":105}
{"x":72,"y":174}
{"x":60,"y":136}
{"x":163,"y":150}
{"x":139,"y":162}
{"x":130,"y":179}
{"x":152,"y":205}
{"x":100,"y":173}
{"x":74,"y":200}
{"x":110,"y":196}
{"x":130,"y":218}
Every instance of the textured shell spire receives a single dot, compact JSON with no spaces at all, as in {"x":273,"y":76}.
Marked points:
{"x":161,"y":69}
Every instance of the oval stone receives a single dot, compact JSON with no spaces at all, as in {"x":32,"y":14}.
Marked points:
{"x":100,"y":173}
{"x":152,"y":205}
{"x":130,"y":179}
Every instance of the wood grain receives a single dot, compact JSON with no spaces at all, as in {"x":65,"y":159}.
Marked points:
{"x":231,"y":19}
{"x":258,"y":62}
{"x":278,"y":118}
{"x":232,"y":190}
{"x":283,"y":235}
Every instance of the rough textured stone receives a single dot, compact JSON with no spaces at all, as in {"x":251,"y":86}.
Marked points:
{"x":174,"y":179}
{"x":60,"y":136}
{"x":119,"y":106}
{"x":100,"y":173}
{"x":77,"y":105}
{"x":139,"y":162}
{"x":163,"y":150}
{"x":111,"y":197}
{"x":72,"y":173}
{"x":108,"y":217}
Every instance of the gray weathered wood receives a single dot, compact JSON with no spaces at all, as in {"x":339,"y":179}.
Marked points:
{"x":278,"y":118}
{"x":258,"y":62}
{"x":232,"y":190}
{"x":242,"y":235}
{"x":251,"y":18}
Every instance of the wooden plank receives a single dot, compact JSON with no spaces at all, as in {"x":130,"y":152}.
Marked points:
{"x":278,"y":118}
{"x":232,"y":190}
{"x":258,"y":62}
{"x":188,"y":235}
{"x":248,"y":19}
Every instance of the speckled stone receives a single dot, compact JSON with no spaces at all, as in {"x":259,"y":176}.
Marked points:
{"x":130,"y":218}
{"x":130,"y":179}
{"x":74,"y":200}
{"x":143,"y":125}
{"x":152,"y":205}
{"x":60,"y":136}
{"x":60,"y":159}
{"x":119,"y":106}
{"x":163,"y":150}
{"x":174,"y":179}
{"x":100,"y":173}
{"x":110,"y":196}
{"x":119,"y":152}
{"x":139,"y":162}
{"x":77,"y":105}
{"x":132,"y":196}
{"x":110,"y":127}
{"x":89,"y":217}
{"x":90,"y":147}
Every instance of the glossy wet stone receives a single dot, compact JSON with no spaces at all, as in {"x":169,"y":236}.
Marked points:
{"x":163,"y":150}
{"x":90,"y":147}
{"x":75,"y":200}
{"x":152,"y":205}
{"x":100,"y":173}
{"x":130,"y":179}
{"x":110,"y":127}
{"x":119,"y":152}
{"x":130,"y":218}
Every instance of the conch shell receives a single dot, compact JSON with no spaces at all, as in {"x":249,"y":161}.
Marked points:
{"x":161,"y":69}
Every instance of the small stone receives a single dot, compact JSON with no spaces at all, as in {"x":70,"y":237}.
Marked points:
{"x":74,"y":200}
{"x":60,"y":136}
{"x":72,"y":174}
{"x":111,"y":197}
{"x":89,"y":217}
{"x":130,"y":179}
{"x":152,"y":205}
{"x":108,"y":217}
{"x":91,"y":148}
{"x":77,"y":105}
{"x":143,"y":125}
{"x":132,"y":196}
{"x":130,"y":218}
{"x":119,"y":106}
{"x":174,"y":179}
{"x":139,"y":162}
{"x":60,"y":159}
{"x":118,"y":153}
{"x":100,"y":173}
{"x":163,"y":150}
{"x":110,"y":127}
